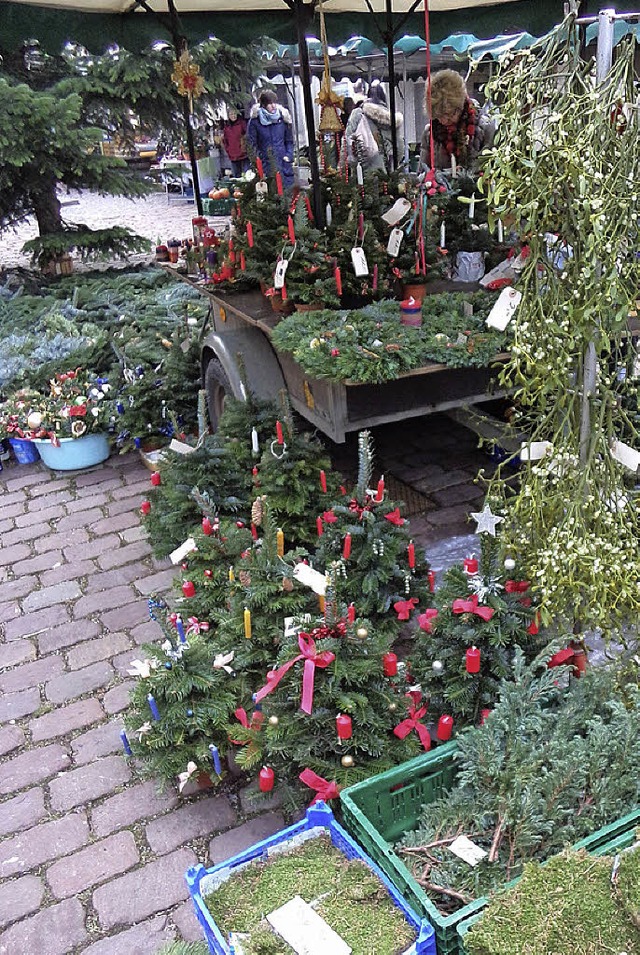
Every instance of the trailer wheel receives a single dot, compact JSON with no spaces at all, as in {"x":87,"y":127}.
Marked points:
{"x":218,"y":388}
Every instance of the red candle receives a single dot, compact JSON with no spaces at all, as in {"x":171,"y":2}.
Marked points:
{"x":207,"y":526}
{"x":243,"y":262}
{"x":266,"y":778}
{"x":483,"y":715}
{"x":156,"y":480}
{"x":374,"y":284}
{"x":346,"y":547}
{"x":323,"y":481}
{"x":254,"y":531}
{"x":431,"y":577}
{"x":291,"y":230}
{"x":411,"y":554}
{"x":250,"y":234}
{"x":390,"y":664}
{"x":470,"y":565}
{"x":351,"y":613}
{"x":445,"y":728}
{"x":319,"y":526}
{"x":189,"y":588}
{"x":472,"y":660}
{"x":145,"y":507}
{"x":380,"y":494}
{"x":260,"y":168}
{"x":344,"y":727}
{"x":361,"y":225}
{"x":279,"y":435}
{"x":338,"y":278}
{"x":279,"y":188}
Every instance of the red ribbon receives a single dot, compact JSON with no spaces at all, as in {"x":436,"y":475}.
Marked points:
{"x":404,"y":608}
{"x":195,"y":626}
{"x":426,"y":620}
{"x":412,"y":722}
{"x":561,"y":658}
{"x":311,"y":661}
{"x":325,"y":790}
{"x":516,"y":586}
{"x":255,"y":724}
{"x":471,"y":606}
{"x":394,"y":517}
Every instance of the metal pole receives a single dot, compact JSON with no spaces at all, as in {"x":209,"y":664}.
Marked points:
{"x":392,"y":84}
{"x":296,"y":118}
{"x":404,"y":91}
{"x":302,"y":18}
{"x":180,"y":44}
{"x":604,"y":59}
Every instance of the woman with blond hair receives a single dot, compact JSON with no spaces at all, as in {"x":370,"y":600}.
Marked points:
{"x":460,"y":129}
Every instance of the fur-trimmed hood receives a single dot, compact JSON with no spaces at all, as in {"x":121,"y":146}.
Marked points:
{"x":286,"y":115}
{"x":380,"y":115}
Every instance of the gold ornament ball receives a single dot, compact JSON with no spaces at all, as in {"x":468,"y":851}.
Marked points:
{"x":34,"y":420}
{"x":347,"y":761}
{"x":274,"y":720}
{"x":362,"y":632}
{"x":393,"y":707}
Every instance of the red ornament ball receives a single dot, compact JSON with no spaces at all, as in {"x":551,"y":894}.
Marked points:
{"x":207,"y":526}
{"x":156,"y":479}
{"x":145,"y":507}
{"x":208,"y":573}
{"x":188,"y":588}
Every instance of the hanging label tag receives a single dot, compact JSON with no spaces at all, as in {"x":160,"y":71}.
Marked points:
{"x":293,"y":625}
{"x":467,"y":850}
{"x":185,"y":345}
{"x":359,"y":259}
{"x":625,"y":455}
{"x":261,"y":191}
{"x":180,"y":447}
{"x":311,"y":578}
{"x":467,"y":309}
{"x":397,"y":211}
{"x":504,"y":309}
{"x":394,"y":243}
{"x":281,"y":271}
{"x":534,"y":450}
{"x":179,"y":554}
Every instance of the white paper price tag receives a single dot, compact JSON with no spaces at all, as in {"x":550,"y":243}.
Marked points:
{"x":625,"y":455}
{"x":180,"y":447}
{"x":281,"y":271}
{"x":261,"y":191}
{"x":467,"y":850}
{"x":534,"y":450}
{"x":311,"y":578}
{"x":291,"y":628}
{"x":394,"y":243}
{"x":504,"y":308}
{"x":397,"y":211}
{"x":359,"y":260}
{"x":181,"y":552}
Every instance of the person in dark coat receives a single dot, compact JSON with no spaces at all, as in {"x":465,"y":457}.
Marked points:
{"x":234,"y":137}
{"x":375,"y":113}
{"x":270,"y":137}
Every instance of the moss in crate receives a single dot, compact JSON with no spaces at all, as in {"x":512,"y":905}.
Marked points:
{"x":564,"y":906}
{"x":628,"y":884}
{"x":350,"y":898}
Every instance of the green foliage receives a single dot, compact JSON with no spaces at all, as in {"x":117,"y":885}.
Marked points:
{"x":116,"y":242}
{"x":185,"y":948}
{"x":550,"y":765}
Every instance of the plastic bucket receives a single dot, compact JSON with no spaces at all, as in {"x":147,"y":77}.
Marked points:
{"x":25,"y":451}
{"x":411,"y":312}
{"x":74,"y":453}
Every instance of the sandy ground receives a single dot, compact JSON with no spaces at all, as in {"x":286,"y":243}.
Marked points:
{"x":151,"y":217}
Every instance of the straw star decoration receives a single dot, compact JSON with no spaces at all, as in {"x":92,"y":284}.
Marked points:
{"x":186,"y":76}
{"x":486,"y":521}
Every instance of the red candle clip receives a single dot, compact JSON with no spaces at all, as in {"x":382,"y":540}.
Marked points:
{"x":250,"y":234}
{"x":346,"y":548}
{"x":207,"y":526}
{"x":279,"y":187}
{"x":411,"y":554}
{"x":323,"y":482}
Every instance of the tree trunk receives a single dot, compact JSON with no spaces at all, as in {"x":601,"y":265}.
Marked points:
{"x":47,"y":207}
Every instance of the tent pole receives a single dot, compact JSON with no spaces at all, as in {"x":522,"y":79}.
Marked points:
{"x":404,"y":95}
{"x":392,"y":84}
{"x":180,"y":44}
{"x":296,"y":118}
{"x":302,"y":18}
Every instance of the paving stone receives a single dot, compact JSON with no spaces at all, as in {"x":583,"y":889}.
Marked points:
{"x":438,"y":478}
{"x":79,"y":519}
{"x":48,"y":596}
{"x":55,"y":930}
{"x":65,"y":719}
{"x":96,"y":478}
{"x":9,"y":611}
{"x":69,"y":541}
{"x":30,"y":674}
{"x":110,"y":485}
{"x":7,"y":525}
{"x":10,"y":738}
{"x":156,"y":582}
{"x":123,"y":661}
{"x":70,"y":685}
{"x":13,"y":706}
{"x":19,"y":651}
{"x":84,"y":503}
{"x":144,"y":939}
{"x":451,"y":515}
{"x":126,"y":504}
{"x":108,"y":579}
{"x":9,"y":555}
{"x":147,"y":632}
{"x":42,"y":502}
{"x":27,"y":478}
{"x":14,"y":589}
{"x":101,"y":741}
{"x":60,"y":637}
{"x":117,"y":597}
{"x":184,"y":919}
{"x":138,"y":802}
{"x":36,"y":564}
{"x":124,"y":555}
{"x":82,"y":568}
{"x":11,"y":501}
{"x":32,"y":767}
{"x":22,"y":812}
{"x":49,"y":840}
{"x":229,"y":843}
{"x":94,"y":650}
{"x":44,"y":514}
{"x":116,"y":699}
{"x":36,"y":622}
{"x":195,"y":819}
{"x":116,"y":522}
{"x":98,"y":862}
{"x":123,"y":618}
{"x":138,"y":486}
{"x":150,"y":889}
{"x":22,"y":534}
{"x":78,"y":786}
{"x":19,"y":898}
{"x":87,"y":550}
{"x":253,"y":801}
{"x":50,"y":487}
{"x":457,"y":494}
{"x":134,"y":534}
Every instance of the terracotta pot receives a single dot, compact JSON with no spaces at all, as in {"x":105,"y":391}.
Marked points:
{"x":308,"y":306}
{"x":278,"y":305}
{"x":416,"y":290}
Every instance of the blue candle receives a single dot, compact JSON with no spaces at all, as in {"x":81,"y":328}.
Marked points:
{"x":215,"y":756}
{"x":180,"y":629}
{"x":125,"y":743}
{"x":257,"y":706}
{"x":153,"y":706}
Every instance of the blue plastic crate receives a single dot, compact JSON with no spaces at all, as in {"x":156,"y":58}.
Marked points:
{"x":318,"y":817}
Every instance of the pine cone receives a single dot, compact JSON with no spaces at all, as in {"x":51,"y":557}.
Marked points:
{"x":257,"y":512}
{"x":245,"y":578}
{"x":287,"y":585}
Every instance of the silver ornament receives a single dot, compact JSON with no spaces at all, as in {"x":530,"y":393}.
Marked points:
{"x":509,"y":563}
{"x":437,"y":666}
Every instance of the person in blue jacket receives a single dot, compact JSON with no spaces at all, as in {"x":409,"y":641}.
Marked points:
{"x":270,"y":137}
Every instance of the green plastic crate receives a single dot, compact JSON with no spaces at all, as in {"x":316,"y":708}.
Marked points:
{"x":218,"y":207}
{"x":378,"y":811}
{"x":606,"y":841}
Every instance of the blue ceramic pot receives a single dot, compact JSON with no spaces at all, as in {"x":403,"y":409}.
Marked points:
{"x":25,"y":451}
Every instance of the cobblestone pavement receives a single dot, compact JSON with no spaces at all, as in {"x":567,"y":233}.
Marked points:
{"x":93,"y":857}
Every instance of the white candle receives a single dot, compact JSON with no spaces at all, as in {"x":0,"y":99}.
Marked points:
{"x":329,"y":214}
{"x":472,"y":207}
{"x":454,"y":167}
{"x":255,"y":447}
{"x":443,"y":236}
{"x":500,"y":232}
{"x":359,"y":176}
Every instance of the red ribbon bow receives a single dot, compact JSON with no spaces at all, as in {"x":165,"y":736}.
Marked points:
{"x":516,"y":586}
{"x":404,"y":608}
{"x":325,"y":790}
{"x":256,"y":722}
{"x":561,"y":658}
{"x":394,"y":517}
{"x":329,"y":517}
{"x":195,"y":626}
{"x":311,"y":661}
{"x":471,"y":606}
{"x":427,"y":619}
{"x":412,"y":722}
